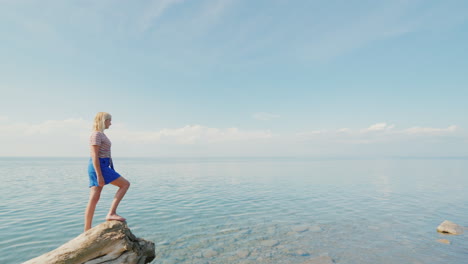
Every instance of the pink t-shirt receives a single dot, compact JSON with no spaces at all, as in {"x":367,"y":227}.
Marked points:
{"x":100,"y":139}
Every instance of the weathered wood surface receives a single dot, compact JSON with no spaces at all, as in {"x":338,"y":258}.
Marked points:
{"x":109,"y":242}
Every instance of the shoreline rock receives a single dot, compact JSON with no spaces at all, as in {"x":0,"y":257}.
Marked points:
{"x":109,"y":242}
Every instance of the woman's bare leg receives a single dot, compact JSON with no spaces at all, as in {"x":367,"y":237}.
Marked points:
{"x":94,"y":195}
{"x":123,"y":185}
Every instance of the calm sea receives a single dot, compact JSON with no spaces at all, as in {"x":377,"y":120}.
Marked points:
{"x":255,"y":210}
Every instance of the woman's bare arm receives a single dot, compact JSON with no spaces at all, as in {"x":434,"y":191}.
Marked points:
{"x":96,"y":164}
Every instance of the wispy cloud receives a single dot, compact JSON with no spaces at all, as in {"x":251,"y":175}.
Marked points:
{"x":69,"y":137}
{"x":381,"y":20}
{"x":378,"y":127}
{"x":381,"y":139}
{"x":264,"y":116}
{"x":190,"y":134}
{"x":49,"y":138}
{"x":196,"y":20}
{"x":431,"y":130}
{"x":243,"y":32}
{"x":49,"y":127}
{"x":378,"y":132}
{"x":307,"y":134}
{"x":153,"y":11}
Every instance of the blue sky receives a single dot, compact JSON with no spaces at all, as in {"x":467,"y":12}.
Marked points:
{"x":235,"y":77}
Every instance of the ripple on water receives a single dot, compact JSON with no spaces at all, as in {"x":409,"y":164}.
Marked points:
{"x":248,"y":211}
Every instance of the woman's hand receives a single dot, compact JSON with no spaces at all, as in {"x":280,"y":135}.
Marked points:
{"x":100,"y":181}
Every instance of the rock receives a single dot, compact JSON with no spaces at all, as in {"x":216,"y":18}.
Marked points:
{"x":109,"y":242}
{"x":315,"y":228}
{"x":269,"y":243}
{"x":302,"y":253}
{"x":169,"y":261}
{"x":319,"y":260}
{"x":448,"y":227}
{"x":243,"y":253}
{"x":300,"y":228}
{"x":271,"y":230}
{"x":210,"y":253}
{"x":444,"y":241}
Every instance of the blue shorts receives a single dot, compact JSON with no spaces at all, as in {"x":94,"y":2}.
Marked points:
{"x":107,"y":170}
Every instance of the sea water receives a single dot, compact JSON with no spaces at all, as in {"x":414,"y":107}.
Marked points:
{"x":247,"y":210}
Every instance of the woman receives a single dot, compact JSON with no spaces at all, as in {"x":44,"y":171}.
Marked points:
{"x":101,"y":171}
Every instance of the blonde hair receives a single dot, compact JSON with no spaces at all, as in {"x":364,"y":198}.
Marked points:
{"x":100,"y":121}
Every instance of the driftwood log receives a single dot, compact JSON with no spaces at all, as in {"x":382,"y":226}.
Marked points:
{"x":109,"y":242}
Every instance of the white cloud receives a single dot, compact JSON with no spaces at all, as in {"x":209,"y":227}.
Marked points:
{"x":378,"y":132}
{"x":344,"y":130}
{"x":69,"y":137}
{"x":313,"y":133}
{"x":264,"y":116}
{"x":48,"y":138}
{"x":49,"y":127}
{"x":430,"y":130}
{"x":378,"y":127}
{"x":52,"y":127}
{"x":191,"y":134}
{"x":383,"y":140}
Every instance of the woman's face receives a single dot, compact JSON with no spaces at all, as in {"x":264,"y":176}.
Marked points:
{"x":108,"y":123}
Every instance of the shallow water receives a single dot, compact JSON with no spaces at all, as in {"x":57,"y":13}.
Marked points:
{"x":247,"y":210}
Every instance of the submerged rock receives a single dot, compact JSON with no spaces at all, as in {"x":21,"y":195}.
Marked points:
{"x":271,"y":230}
{"x":210,"y":253}
{"x":319,"y":260}
{"x":269,"y":243}
{"x":448,"y":227}
{"x":109,"y":242}
{"x":443,"y":241}
{"x":300,"y":228}
{"x":302,"y":253}
{"x":315,"y":228}
{"x":243,"y":253}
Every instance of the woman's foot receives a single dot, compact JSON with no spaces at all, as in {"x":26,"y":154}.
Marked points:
{"x":116,"y":217}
